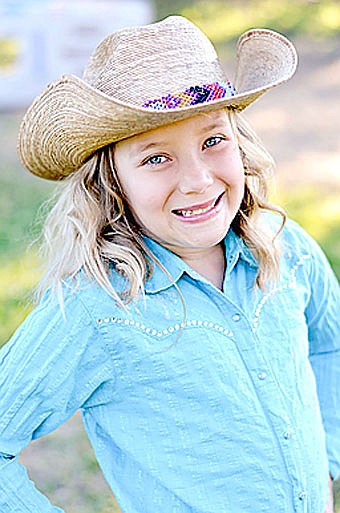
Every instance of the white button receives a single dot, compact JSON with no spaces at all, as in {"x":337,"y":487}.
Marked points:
{"x":287,"y":434}
{"x":302,"y":496}
{"x":236,"y":317}
{"x":262,"y":375}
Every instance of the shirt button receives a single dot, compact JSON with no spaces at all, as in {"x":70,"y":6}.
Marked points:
{"x":302,"y":496}
{"x":236,"y":317}
{"x":287,"y":434}
{"x":262,"y":375}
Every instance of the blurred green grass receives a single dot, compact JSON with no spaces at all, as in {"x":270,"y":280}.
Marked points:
{"x":21,"y":197}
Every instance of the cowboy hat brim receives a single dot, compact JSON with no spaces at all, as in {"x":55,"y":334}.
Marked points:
{"x":70,"y":119}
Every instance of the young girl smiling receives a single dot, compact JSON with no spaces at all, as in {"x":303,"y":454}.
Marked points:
{"x":195,"y":327}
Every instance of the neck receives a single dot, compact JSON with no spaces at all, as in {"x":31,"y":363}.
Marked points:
{"x":209,"y":263}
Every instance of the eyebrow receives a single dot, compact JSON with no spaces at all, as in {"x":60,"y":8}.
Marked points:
{"x":148,"y":146}
{"x":213,"y":126}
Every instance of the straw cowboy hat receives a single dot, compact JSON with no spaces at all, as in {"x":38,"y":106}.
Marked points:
{"x":141,"y":78}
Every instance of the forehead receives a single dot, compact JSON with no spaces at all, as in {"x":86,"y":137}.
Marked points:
{"x":198,"y":124}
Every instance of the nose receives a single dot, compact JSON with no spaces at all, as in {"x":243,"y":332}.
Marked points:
{"x":195,"y":176}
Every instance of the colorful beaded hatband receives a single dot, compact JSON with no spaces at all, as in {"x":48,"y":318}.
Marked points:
{"x":192,"y":96}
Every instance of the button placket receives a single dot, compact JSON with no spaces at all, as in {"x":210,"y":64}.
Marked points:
{"x":248,"y":342}
{"x":269,"y":394}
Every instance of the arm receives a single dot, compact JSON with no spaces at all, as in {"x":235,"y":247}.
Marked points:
{"x":52,"y":366}
{"x":323,"y":320}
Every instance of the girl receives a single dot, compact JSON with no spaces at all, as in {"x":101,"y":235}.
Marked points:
{"x":195,"y":328}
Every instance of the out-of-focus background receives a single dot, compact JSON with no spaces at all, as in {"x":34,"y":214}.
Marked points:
{"x":299,"y":123}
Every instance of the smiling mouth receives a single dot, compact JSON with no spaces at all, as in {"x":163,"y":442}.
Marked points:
{"x":198,"y":211}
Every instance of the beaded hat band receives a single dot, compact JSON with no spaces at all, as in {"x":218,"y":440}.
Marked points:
{"x":192,"y":96}
{"x":142,"y":78}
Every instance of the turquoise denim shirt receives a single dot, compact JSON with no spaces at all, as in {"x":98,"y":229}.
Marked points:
{"x":215,"y":410}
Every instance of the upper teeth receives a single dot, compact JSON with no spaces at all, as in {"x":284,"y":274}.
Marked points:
{"x":188,"y":213}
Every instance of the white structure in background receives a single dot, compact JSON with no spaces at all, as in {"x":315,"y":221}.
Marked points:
{"x":53,"y":37}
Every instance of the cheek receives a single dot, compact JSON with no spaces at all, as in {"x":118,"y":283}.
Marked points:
{"x":144,"y":198}
{"x":234,"y":171}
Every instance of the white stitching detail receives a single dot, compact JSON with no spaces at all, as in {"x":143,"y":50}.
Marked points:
{"x":194,"y":323}
{"x":291,"y":283}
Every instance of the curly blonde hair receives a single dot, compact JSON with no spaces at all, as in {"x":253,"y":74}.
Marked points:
{"x":90,"y":226}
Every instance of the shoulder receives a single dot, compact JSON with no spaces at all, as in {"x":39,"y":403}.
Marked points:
{"x":297,"y":238}
{"x":71,"y":314}
{"x":61,"y":333}
{"x":83,"y":292}
{"x":297,"y":248}
{"x":293,"y":239}
{"x":297,"y":241}
{"x":66,"y":315}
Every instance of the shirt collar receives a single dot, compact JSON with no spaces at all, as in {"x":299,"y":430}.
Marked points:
{"x":235,"y":249}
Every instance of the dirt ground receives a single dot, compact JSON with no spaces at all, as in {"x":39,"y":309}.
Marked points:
{"x":300,"y":123}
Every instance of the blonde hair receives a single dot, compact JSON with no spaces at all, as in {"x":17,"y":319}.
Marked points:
{"x":258,"y":236}
{"x":91,"y":228}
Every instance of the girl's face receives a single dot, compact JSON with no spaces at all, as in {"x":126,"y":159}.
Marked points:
{"x":184,"y":182}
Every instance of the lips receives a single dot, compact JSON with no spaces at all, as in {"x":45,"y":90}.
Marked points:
{"x":198,"y":210}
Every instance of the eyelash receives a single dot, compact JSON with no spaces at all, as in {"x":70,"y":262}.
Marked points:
{"x":219,"y":138}
{"x":148,"y":161}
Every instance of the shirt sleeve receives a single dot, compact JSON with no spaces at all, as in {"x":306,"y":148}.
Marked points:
{"x":323,"y":318}
{"x":54,"y":364}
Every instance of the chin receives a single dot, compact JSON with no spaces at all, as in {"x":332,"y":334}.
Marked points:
{"x":206,"y":242}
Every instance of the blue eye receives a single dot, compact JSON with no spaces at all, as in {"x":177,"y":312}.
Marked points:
{"x":213,"y":141}
{"x":155,"y":160}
